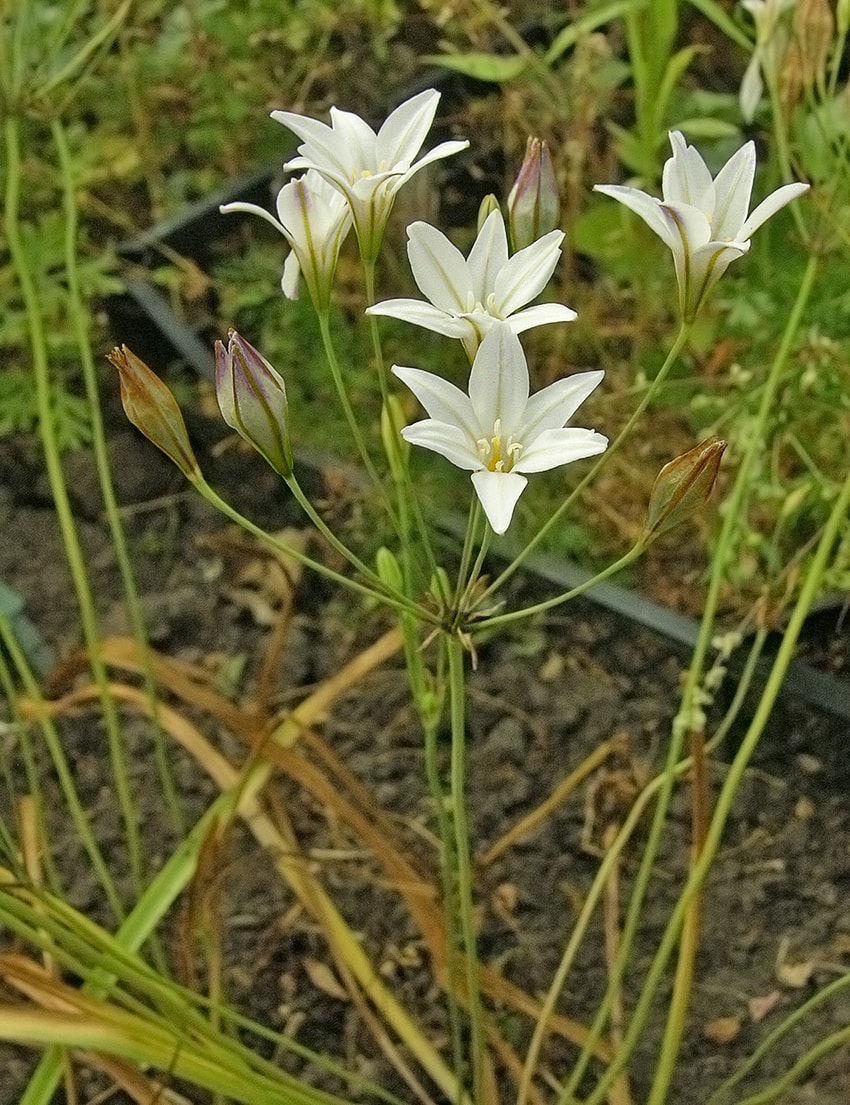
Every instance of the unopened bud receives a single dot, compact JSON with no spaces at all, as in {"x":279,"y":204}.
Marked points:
{"x":534,"y":207}
{"x":683,"y":486}
{"x":151,"y":407}
{"x":396,"y":449}
{"x":389,"y":569}
{"x":488,"y":205}
{"x":252,"y":399}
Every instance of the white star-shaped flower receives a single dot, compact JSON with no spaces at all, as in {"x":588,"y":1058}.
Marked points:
{"x":469,"y":295}
{"x":314,"y":218}
{"x":704,"y":221}
{"x":498,"y":432}
{"x":368,"y":168}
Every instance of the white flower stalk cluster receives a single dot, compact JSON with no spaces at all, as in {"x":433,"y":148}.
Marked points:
{"x":467,"y":296}
{"x":496,"y":430}
{"x":703,"y":220}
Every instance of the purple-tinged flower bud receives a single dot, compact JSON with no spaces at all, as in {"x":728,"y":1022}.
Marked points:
{"x":683,"y":486}
{"x":252,"y":399}
{"x":151,"y":407}
{"x":534,"y":207}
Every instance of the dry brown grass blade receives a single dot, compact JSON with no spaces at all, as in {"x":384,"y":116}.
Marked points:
{"x":538,"y":815}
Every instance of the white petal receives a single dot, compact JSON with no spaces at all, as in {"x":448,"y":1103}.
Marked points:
{"x":733,"y":187}
{"x":439,"y":268}
{"x":540,"y":315}
{"x":553,"y":406}
{"x":691,"y":224}
{"x":648,"y":207}
{"x":685,"y":177}
{"x":752,"y":87}
{"x":251,"y":209}
{"x":424,"y":315}
{"x":498,"y":381}
{"x":498,"y":493}
{"x":770,"y":206}
{"x":291,"y":272}
{"x":527,"y":273}
{"x":400,"y":138}
{"x":446,"y":439}
{"x":441,"y":399}
{"x":356,"y":138}
{"x":322,"y":148}
{"x":445,"y":149}
{"x":556,"y":447}
{"x":488,"y":256}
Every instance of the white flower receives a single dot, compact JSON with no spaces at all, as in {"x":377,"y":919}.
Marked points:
{"x":704,"y":221}
{"x":771,"y":42}
{"x":470,"y":295}
{"x":368,"y":168}
{"x":497,"y":431}
{"x":314,"y":218}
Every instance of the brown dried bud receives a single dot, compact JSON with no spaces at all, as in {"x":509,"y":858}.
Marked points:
{"x":683,"y":486}
{"x":152,"y":408}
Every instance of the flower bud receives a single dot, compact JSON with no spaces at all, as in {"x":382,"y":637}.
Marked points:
{"x":252,"y":399}
{"x":151,"y":407}
{"x":488,"y":205}
{"x":397,"y":450}
{"x":683,"y":486}
{"x":534,"y":206}
{"x":389,"y":569}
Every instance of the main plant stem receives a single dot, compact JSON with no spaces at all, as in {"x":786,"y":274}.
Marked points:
{"x":463,"y":861}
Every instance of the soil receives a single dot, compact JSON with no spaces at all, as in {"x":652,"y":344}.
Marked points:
{"x":776,"y":923}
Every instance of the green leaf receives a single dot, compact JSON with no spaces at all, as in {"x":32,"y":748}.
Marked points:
{"x":569,"y":36}
{"x":481,"y":66}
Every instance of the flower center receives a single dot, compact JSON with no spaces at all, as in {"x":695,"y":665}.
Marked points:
{"x":497,"y":453}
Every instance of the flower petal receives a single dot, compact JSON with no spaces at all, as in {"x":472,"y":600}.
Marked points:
{"x":527,"y":273}
{"x":553,"y":448}
{"x":445,"y":149}
{"x":424,"y":315}
{"x":355,"y":140}
{"x":685,"y":177}
{"x":540,"y":315}
{"x":439,"y":268}
{"x":441,"y":399}
{"x":498,"y":382}
{"x":553,"y":406}
{"x":444,"y":438}
{"x":488,"y":256}
{"x":400,"y":138}
{"x":252,"y":209}
{"x":648,"y":207}
{"x":733,"y":187}
{"x":291,"y":272}
{"x":321,"y":147}
{"x":498,"y":493}
{"x":770,"y":206}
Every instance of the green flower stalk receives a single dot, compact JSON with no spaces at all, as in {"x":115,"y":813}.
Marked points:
{"x":150,"y":406}
{"x":252,"y":399}
{"x":534,"y":206}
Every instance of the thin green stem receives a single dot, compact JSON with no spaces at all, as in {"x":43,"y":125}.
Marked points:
{"x":686,"y":720}
{"x":79,"y":318}
{"x":609,"y":861}
{"x":350,"y":416}
{"x":472,"y":525}
{"x":463,"y":862}
{"x":614,"y":446}
{"x":565,"y":596}
{"x":810,"y":588}
{"x":70,"y":539}
{"x":402,"y":605}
